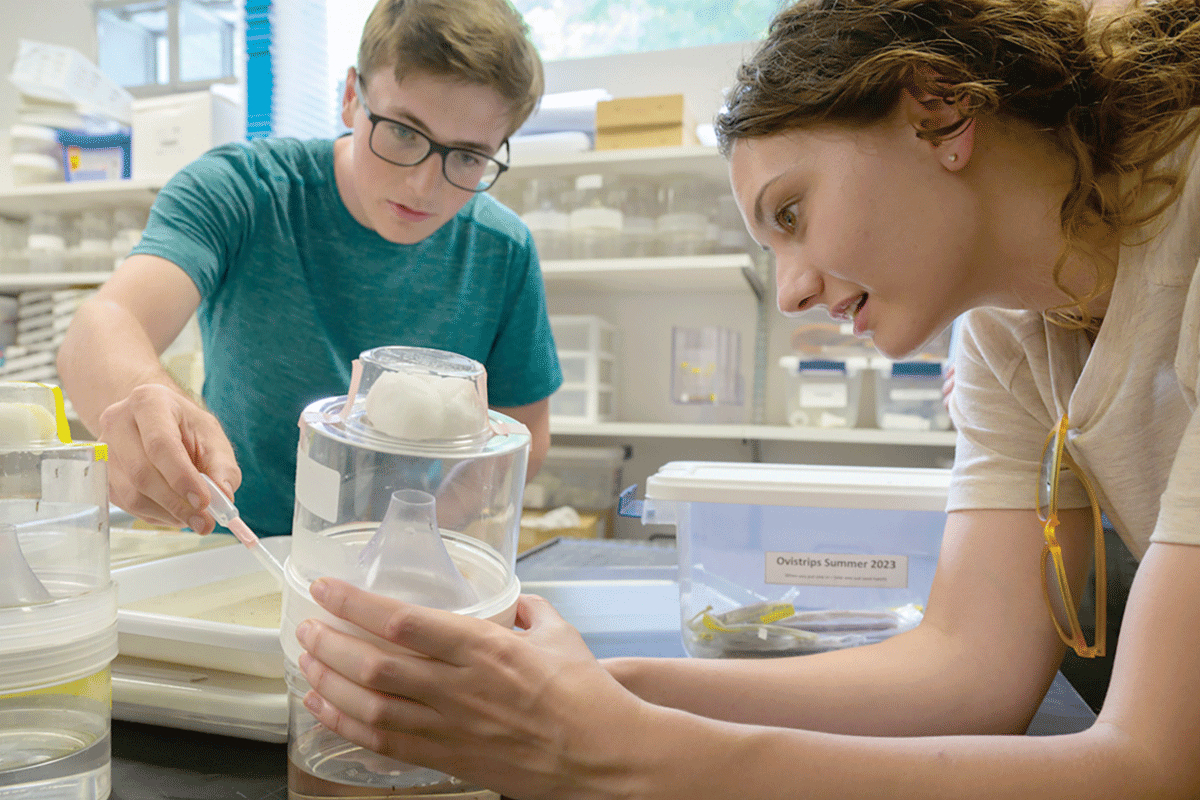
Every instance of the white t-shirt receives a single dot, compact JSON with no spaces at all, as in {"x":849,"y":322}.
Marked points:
{"x":1130,"y":398}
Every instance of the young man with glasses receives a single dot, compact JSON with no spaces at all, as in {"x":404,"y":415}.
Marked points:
{"x":297,"y":256}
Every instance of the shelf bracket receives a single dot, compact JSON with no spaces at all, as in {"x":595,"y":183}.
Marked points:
{"x":755,"y":281}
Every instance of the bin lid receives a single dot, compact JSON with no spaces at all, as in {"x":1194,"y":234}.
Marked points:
{"x":894,"y":488}
{"x":598,"y":456}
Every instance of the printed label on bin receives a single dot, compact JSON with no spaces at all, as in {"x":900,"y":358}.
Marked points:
{"x":829,"y":395}
{"x":838,"y":569}
{"x":915,"y":395}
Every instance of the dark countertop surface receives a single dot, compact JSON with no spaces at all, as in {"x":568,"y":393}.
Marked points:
{"x":157,"y":763}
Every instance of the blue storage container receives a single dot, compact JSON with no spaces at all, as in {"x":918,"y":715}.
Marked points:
{"x":96,"y":156}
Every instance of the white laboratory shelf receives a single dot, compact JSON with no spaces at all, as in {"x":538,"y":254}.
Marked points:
{"x":729,"y":272}
{"x":73,"y":197}
{"x":641,"y":161}
{"x":29,"y":281}
{"x":777,"y":433}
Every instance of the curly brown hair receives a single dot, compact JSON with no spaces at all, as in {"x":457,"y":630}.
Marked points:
{"x":1116,"y":91}
{"x":484,"y":42}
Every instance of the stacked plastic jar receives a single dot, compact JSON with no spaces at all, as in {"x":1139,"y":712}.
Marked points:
{"x":58,"y":605}
{"x":410,"y":487}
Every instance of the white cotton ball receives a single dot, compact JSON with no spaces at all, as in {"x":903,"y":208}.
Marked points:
{"x":405,"y":406}
{"x":465,"y":415}
{"x":24,"y":423}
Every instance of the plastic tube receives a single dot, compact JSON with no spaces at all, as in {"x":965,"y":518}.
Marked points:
{"x":226,"y":513}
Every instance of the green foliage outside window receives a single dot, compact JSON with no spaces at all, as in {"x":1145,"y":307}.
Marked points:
{"x":585,"y":28}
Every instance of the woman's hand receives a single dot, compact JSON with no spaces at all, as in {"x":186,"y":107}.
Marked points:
{"x":158,"y":441}
{"x":526,"y":712}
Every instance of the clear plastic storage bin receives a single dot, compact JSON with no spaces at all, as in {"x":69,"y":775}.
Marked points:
{"x":908,"y":396}
{"x":586,"y":478}
{"x":823,"y":393}
{"x":779,"y":560}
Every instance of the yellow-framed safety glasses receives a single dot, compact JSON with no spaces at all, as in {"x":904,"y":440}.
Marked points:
{"x":1059,"y":599}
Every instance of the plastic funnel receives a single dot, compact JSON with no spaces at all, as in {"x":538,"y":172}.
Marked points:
{"x":18,"y":585}
{"x":407,"y":559}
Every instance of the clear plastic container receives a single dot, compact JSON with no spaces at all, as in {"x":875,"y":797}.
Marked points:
{"x":409,"y":486}
{"x":95,"y":253}
{"x":546,"y":218}
{"x":58,"y":604}
{"x":783,"y":559}
{"x":639,"y":228}
{"x":47,"y":243}
{"x":128,"y":223}
{"x":731,"y":230}
{"x":706,"y":366}
{"x":586,"y":478}
{"x":909,"y":396}
{"x":683,"y":225}
{"x":39,"y":139}
{"x":823,"y":393}
{"x":595,"y":222}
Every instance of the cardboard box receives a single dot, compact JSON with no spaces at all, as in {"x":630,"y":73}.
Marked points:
{"x":172,"y":131}
{"x":657,"y":121}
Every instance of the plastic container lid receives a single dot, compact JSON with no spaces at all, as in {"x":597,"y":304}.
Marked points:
{"x":901,"y":488}
{"x":797,"y":364}
{"x":919,"y":369}
{"x":56,"y":642}
{"x":36,"y":162}
{"x":35,"y":133}
{"x":598,"y":455}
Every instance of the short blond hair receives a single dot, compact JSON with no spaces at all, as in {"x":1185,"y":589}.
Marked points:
{"x":484,"y":42}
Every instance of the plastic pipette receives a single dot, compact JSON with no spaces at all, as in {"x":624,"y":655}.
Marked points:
{"x":226,"y":513}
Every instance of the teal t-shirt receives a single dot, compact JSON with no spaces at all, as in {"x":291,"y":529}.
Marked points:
{"x":293,"y":288}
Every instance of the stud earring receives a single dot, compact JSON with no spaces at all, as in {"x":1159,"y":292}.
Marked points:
{"x":953,"y":157}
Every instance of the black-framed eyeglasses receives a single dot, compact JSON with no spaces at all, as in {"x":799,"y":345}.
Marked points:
{"x":405,"y":146}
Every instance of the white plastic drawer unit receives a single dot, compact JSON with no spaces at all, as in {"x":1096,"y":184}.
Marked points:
{"x":587,"y":353}
{"x":785,"y":559}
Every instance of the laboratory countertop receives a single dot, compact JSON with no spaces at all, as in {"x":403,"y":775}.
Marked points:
{"x":159,"y":763}
{"x":154,"y":763}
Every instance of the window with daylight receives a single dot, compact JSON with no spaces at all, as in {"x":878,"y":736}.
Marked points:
{"x":564,"y":29}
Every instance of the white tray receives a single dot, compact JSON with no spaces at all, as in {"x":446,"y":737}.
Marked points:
{"x":128,"y":546}
{"x":209,"y":701}
{"x":211,"y":609}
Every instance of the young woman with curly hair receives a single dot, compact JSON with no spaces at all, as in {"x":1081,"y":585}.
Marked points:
{"x":1033,"y":165}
